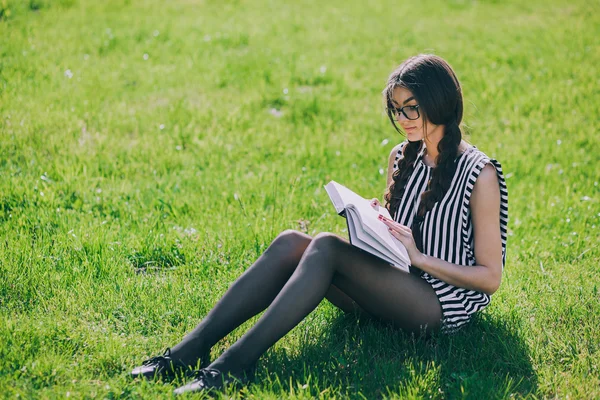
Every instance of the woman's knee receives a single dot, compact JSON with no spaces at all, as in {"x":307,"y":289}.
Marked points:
{"x":290,"y":244}
{"x":328,"y":247}
{"x":328,"y":242}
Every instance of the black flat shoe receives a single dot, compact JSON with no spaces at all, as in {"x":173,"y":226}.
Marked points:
{"x":207,"y":379}
{"x":164,"y":366}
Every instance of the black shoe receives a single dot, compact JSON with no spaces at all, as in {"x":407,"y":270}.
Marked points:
{"x":207,"y":379}
{"x":163,"y":366}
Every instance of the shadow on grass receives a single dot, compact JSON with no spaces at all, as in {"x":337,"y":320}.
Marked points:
{"x":370,"y":359}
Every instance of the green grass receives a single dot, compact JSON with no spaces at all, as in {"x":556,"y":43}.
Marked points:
{"x":150,"y":151}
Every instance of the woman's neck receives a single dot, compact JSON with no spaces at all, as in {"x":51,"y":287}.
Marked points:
{"x":431,"y":151}
{"x":431,"y":143}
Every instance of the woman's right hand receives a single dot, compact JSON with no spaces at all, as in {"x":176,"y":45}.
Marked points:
{"x":375,"y":204}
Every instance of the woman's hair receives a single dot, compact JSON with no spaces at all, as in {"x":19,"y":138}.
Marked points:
{"x":437,"y":91}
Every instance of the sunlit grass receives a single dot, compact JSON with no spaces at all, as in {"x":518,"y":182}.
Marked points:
{"x":150,"y":151}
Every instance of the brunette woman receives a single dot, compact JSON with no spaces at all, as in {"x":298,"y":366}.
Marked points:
{"x":449,"y":206}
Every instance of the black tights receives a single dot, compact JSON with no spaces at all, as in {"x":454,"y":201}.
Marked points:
{"x":291,"y":278}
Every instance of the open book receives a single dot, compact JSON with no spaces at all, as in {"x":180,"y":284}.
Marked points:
{"x":364,"y":229}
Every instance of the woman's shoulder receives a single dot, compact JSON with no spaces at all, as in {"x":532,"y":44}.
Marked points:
{"x":472,"y":157}
{"x":396,"y":154}
{"x":483,"y":170}
{"x":397,"y":150}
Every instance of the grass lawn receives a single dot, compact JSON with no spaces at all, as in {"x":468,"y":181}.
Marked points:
{"x":151,"y":150}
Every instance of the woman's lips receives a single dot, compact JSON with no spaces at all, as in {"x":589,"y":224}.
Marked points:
{"x":410,"y":129}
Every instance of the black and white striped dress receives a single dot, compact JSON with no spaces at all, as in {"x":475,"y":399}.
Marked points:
{"x":447,"y":229}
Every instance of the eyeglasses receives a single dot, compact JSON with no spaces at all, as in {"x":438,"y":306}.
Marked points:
{"x":410,"y":112}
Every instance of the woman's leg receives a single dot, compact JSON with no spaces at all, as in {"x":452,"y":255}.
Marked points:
{"x":380,"y":289}
{"x":250,"y":294}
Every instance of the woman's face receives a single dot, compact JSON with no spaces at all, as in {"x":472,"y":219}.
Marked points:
{"x":413,"y":128}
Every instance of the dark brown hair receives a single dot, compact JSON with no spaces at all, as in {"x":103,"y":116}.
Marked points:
{"x":437,"y":91}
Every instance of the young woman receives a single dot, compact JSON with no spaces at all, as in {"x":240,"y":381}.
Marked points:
{"x":449,"y":206}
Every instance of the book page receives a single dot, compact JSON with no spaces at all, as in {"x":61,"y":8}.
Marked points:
{"x":379,"y":231}
{"x":367,"y":242}
{"x":368,"y":217}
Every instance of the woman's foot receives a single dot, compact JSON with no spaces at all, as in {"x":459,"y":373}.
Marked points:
{"x":164,"y":366}
{"x":207,"y":379}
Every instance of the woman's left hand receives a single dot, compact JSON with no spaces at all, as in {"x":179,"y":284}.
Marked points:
{"x":404,"y":234}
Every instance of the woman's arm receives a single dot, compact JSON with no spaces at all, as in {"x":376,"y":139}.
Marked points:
{"x":486,"y":275}
{"x":392,"y":160}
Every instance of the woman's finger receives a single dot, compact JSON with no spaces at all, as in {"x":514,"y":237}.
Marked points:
{"x":399,"y":231}
{"x":375,"y":204}
{"x":394,"y":224}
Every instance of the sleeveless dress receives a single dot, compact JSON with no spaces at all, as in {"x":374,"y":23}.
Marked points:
{"x":447,"y":229}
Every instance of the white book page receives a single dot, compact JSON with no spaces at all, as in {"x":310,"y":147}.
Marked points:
{"x":368,"y":216}
{"x":376,"y":228}
{"x":365,"y":241}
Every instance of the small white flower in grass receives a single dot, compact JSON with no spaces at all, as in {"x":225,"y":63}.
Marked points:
{"x":276,"y":113}
{"x":337,"y":153}
{"x":42,"y":194}
{"x":161,"y":126}
{"x":285,"y":91}
{"x":68,"y":74}
{"x":509,"y":175}
{"x":595,"y":183}
{"x":560,"y":171}
{"x":190,"y":231}
{"x":98,"y":190}
{"x":178,"y":148}
{"x":146,"y":56}
{"x":207,"y":38}
{"x":86,"y":57}
{"x":303,"y":169}
{"x":574,"y":233}
{"x":155,"y":33}
{"x":558,"y":142}
{"x":586,"y":198}
{"x":323,"y":69}
{"x":568,"y":220}
{"x":384,"y":142}
{"x":381,"y":171}
{"x":235,"y":196}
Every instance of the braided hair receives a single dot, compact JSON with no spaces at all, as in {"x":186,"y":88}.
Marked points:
{"x":434,"y":85}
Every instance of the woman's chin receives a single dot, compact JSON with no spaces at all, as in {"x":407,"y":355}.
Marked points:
{"x":413,"y":137}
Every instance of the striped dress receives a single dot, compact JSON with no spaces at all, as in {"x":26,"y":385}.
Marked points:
{"x":447,"y":229}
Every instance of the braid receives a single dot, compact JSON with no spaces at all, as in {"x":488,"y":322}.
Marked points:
{"x":444,"y":170}
{"x":406,"y":165}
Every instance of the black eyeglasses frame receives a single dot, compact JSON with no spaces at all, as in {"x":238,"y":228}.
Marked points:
{"x":396,"y":111}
